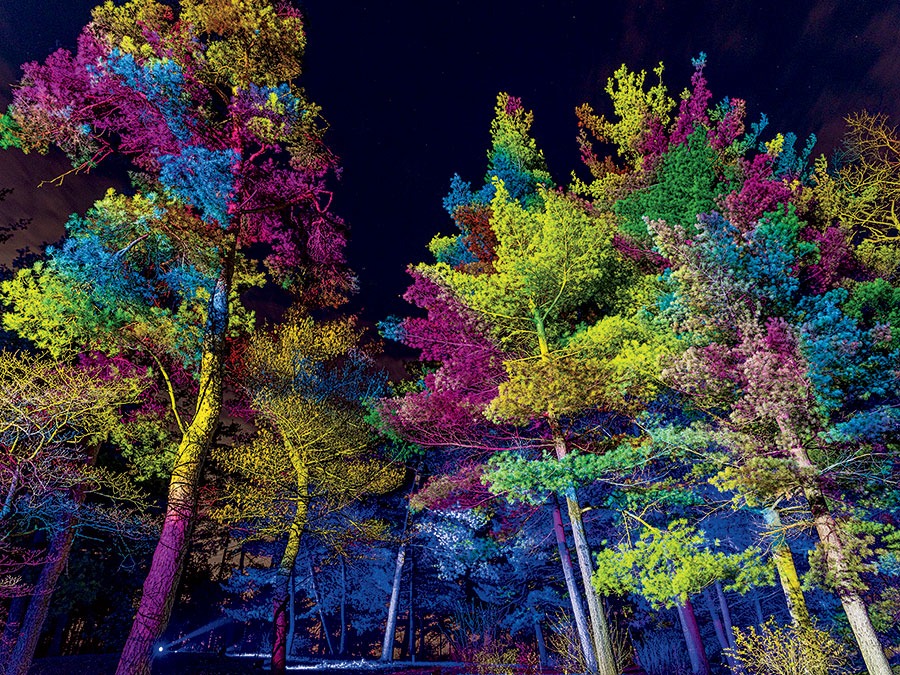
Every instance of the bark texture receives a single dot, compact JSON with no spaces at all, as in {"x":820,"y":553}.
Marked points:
{"x":23,"y":651}
{"x":161,"y":584}
{"x":581,"y":624}
{"x":696,"y":653}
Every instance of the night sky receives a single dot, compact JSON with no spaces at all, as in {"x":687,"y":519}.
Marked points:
{"x":409,"y":87}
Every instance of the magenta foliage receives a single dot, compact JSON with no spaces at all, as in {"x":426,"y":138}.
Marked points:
{"x":224,"y":155}
{"x":730,"y":127}
{"x":760,"y":193}
{"x":835,"y":263}
{"x":692,"y":110}
{"x":449,"y":410}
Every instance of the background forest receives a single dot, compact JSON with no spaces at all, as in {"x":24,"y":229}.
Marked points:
{"x":640,"y":420}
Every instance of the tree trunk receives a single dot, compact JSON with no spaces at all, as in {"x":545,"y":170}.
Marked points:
{"x":787,"y":571}
{"x":411,"y":633}
{"x":17,"y":608}
{"x":757,"y":606}
{"x":539,"y":638}
{"x":318,"y":600}
{"x":584,"y":636}
{"x":696,"y":653}
{"x":285,"y":571}
{"x":724,"y":642}
{"x":387,"y":645}
{"x":726,"y":615}
{"x":835,"y":557}
{"x":342,"y":647}
{"x":161,"y":584}
{"x":58,"y":554}
{"x":292,"y":614}
{"x":390,"y":628}
{"x":606,"y":661}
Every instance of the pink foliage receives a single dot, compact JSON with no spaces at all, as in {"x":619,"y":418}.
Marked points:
{"x":759,"y":193}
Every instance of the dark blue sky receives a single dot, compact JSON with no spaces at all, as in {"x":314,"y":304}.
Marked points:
{"x":408,"y":88}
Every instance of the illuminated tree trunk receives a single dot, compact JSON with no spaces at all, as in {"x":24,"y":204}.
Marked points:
{"x":318,"y":600}
{"x":726,"y":615}
{"x":835,"y":557}
{"x":60,"y":544}
{"x":282,"y":594}
{"x":161,"y":584}
{"x":787,"y":571}
{"x":696,"y":653}
{"x":719,"y":628}
{"x":390,"y":629}
{"x":387,"y":645}
{"x":342,"y":645}
{"x":581,"y":624}
{"x":606,"y":662}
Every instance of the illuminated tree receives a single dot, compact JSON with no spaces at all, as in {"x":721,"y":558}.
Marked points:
{"x":231,"y":167}
{"x":308,"y":381}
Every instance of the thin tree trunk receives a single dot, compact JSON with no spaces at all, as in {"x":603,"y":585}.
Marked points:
{"x":161,"y":584}
{"x":58,"y":554}
{"x":606,"y":662}
{"x":835,"y":554}
{"x":411,"y":632}
{"x":539,"y":638}
{"x":343,"y":643}
{"x":757,"y":605}
{"x":787,"y":571}
{"x":581,"y":624}
{"x":390,"y":628}
{"x":17,"y":608}
{"x":696,"y":653}
{"x":288,"y":560}
{"x":223,"y":565}
{"x":318,"y":600}
{"x":724,"y":643}
{"x":292,"y":613}
{"x":726,"y":615}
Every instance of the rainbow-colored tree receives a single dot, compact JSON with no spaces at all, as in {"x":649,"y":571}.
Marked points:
{"x":231,"y":173}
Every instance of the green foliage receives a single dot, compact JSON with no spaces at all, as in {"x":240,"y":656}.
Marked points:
{"x":530,"y":480}
{"x":685,"y":185}
{"x":789,"y":650}
{"x":668,"y":566}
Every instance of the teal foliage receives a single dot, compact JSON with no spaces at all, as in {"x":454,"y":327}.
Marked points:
{"x":161,"y":82}
{"x":202,"y":178}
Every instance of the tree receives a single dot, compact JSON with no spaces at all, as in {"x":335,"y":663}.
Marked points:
{"x":204,"y":103}
{"x":308,"y":381}
{"x":53,"y":419}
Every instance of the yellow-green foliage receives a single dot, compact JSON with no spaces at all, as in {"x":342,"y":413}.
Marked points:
{"x":789,"y":650}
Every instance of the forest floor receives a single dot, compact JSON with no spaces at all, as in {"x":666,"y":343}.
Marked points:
{"x":212,"y":664}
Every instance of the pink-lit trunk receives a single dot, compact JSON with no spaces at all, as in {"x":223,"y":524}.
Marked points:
{"x":161,"y":584}
{"x":696,"y":653}
{"x":23,"y":651}
{"x":281,"y":619}
{"x":581,"y":624}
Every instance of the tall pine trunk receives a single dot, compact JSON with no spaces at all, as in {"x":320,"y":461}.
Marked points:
{"x":835,"y":554}
{"x":606,"y":662}
{"x":726,"y":615}
{"x":161,"y":584}
{"x":719,"y":627}
{"x":581,"y":624}
{"x":787,"y":571}
{"x":282,"y":594}
{"x":696,"y":652}
{"x":342,"y":645}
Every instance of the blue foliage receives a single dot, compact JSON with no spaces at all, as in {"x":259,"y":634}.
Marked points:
{"x":790,"y":162}
{"x":455,"y":254}
{"x":392,"y":328}
{"x":161,"y":81}
{"x":202,"y":178}
{"x":460,"y":195}
{"x":847,"y":364}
